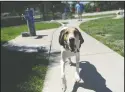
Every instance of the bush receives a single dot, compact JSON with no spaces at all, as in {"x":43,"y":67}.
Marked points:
{"x":89,"y":8}
{"x":12,"y":21}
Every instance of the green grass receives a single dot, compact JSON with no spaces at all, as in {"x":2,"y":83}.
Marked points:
{"x":9,"y":33}
{"x":100,"y":15}
{"x":22,"y":72}
{"x":107,"y":30}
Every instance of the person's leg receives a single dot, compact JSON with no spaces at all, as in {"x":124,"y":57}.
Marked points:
{"x":82,"y":13}
{"x":81,"y":17}
{"x":78,"y":16}
{"x":66,"y":15}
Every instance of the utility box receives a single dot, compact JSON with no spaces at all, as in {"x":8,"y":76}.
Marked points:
{"x":30,"y":21}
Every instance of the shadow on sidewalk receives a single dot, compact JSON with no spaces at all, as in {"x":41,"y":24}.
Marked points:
{"x":14,"y":47}
{"x":17,"y":67}
{"x":40,"y":36}
{"x":91,"y":77}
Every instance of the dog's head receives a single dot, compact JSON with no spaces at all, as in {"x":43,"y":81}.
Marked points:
{"x":72,"y":38}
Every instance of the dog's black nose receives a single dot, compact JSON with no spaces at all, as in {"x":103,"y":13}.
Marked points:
{"x":71,"y":40}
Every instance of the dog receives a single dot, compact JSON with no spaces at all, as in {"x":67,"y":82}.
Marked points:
{"x":70,"y":40}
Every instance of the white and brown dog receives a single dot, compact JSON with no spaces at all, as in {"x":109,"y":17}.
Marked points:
{"x":70,"y":40}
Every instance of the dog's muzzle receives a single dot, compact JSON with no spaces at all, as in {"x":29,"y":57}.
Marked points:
{"x":72,"y":44}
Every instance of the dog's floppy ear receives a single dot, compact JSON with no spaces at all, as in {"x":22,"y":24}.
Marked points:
{"x":80,"y":37}
{"x":61,"y":37}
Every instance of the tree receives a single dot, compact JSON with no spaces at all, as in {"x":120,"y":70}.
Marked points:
{"x":109,"y":5}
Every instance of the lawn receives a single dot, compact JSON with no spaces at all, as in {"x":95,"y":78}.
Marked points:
{"x":100,"y":15}
{"x":107,"y":30}
{"x":21,"y":71}
{"x":9,"y":33}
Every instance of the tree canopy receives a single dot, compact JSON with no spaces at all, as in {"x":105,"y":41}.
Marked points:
{"x":19,"y":6}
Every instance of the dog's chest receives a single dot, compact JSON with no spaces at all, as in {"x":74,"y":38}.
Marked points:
{"x":69,"y":54}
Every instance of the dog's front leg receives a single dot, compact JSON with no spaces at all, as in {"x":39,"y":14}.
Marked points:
{"x":70,"y":61}
{"x":77,"y":67}
{"x":62,"y":61}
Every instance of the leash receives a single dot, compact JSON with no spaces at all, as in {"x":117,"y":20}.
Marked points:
{"x":52,"y":40}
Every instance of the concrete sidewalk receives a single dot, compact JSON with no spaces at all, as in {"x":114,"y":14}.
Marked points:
{"x":99,"y":13}
{"x":101,"y":69}
{"x":32,"y":44}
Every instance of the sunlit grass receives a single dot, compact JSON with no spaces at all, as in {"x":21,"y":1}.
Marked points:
{"x":107,"y":30}
{"x":9,"y":33}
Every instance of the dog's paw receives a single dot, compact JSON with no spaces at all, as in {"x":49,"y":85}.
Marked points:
{"x":70,"y":63}
{"x":64,"y":88}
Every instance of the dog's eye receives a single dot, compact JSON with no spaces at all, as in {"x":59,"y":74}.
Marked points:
{"x":67,"y":32}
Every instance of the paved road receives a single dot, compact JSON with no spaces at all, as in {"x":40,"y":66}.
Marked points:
{"x":101,"y":69}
